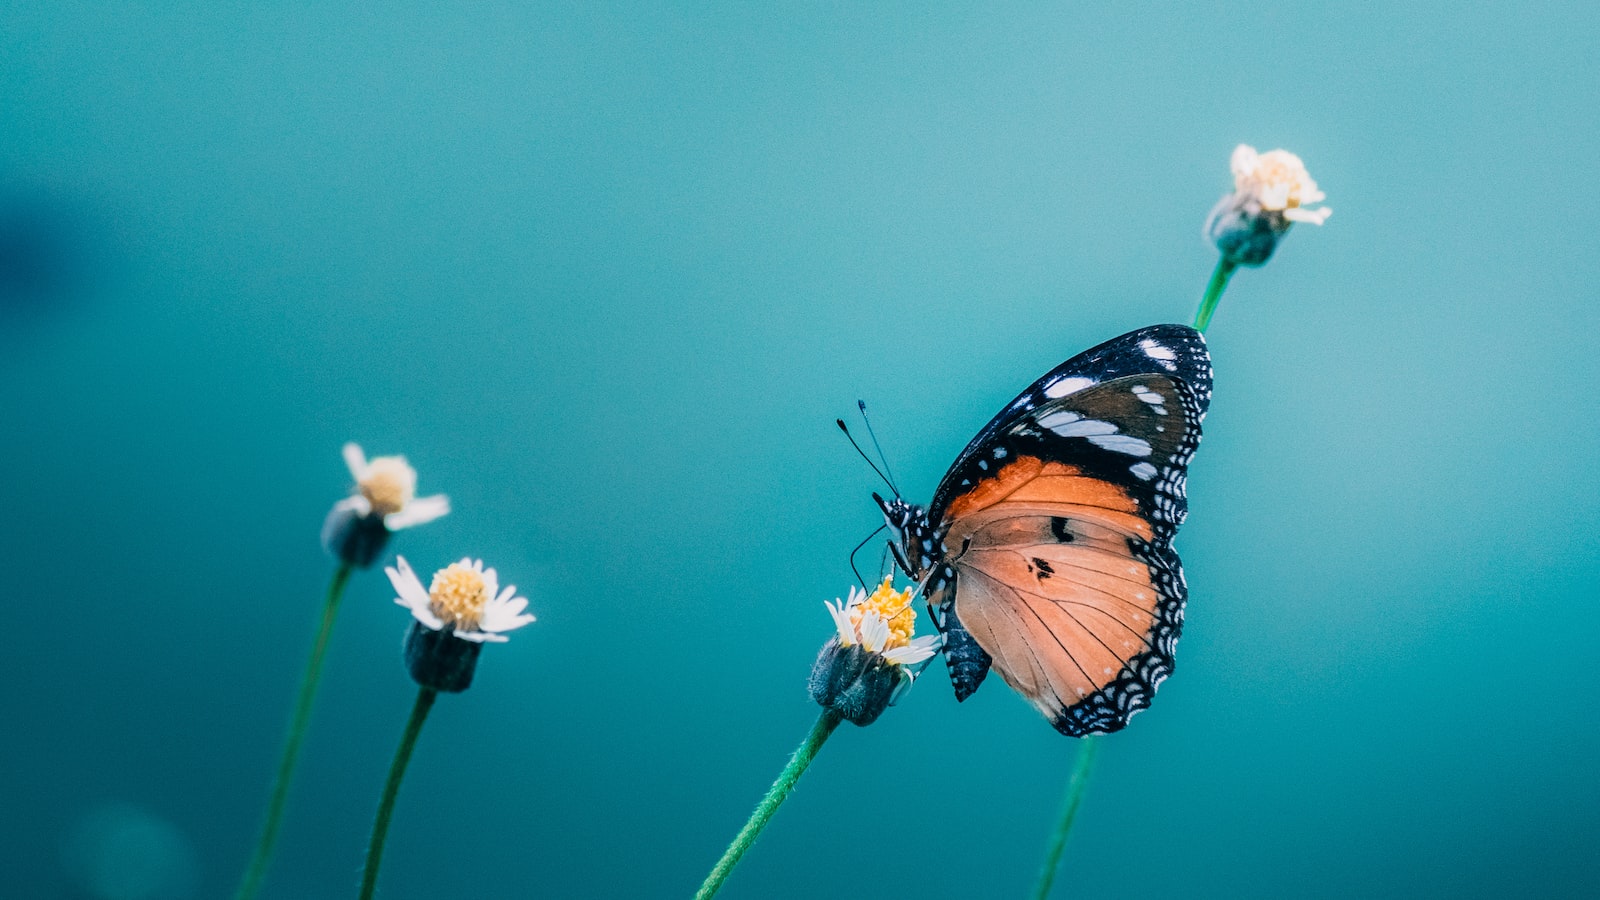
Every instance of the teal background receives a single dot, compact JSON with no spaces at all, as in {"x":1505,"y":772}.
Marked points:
{"x":606,"y":275}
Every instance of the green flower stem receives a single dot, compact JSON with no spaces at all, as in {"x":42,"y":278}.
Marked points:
{"x":391,"y":789}
{"x":1069,"y":811}
{"x":257,"y":869}
{"x":1208,"y":303}
{"x":807,"y":751}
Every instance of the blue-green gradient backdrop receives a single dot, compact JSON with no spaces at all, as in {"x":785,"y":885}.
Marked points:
{"x":607,"y":274}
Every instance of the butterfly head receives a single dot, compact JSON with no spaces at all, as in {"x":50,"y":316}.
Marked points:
{"x":912,"y":540}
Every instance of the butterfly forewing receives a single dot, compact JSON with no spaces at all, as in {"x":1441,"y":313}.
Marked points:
{"x":1175,"y":351}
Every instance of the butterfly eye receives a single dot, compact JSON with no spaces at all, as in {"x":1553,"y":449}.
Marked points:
{"x":896,"y":515}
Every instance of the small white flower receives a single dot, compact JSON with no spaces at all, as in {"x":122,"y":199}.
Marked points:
{"x":873,"y":658}
{"x":1272,"y":191}
{"x":463,"y":598}
{"x":387,"y":486}
{"x":1277,"y":181}
{"x":881,"y":623}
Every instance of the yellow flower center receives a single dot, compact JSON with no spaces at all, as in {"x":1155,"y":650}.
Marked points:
{"x":389,"y":484}
{"x":459,"y":594}
{"x":895,"y":608}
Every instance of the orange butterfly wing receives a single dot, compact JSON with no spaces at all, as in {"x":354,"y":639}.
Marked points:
{"x":1063,"y":573}
{"x":1058,"y":584}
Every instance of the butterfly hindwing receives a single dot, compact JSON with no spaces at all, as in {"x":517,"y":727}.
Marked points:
{"x":1084,"y":631}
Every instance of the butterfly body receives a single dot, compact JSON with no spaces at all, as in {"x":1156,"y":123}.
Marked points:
{"x":1047,"y":550}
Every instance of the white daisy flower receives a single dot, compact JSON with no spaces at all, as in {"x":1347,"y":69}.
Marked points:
{"x":464,"y":597}
{"x":387,"y":486}
{"x":1277,"y":181}
{"x":1271,"y":192}
{"x":868,"y":662}
{"x":881,"y":622}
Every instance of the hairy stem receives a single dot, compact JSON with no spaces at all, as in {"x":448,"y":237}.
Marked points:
{"x":257,"y":870}
{"x":391,"y":789}
{"x":807,"y":751}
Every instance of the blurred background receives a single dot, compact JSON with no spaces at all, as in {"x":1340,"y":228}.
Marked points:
{"x":607,"y":275}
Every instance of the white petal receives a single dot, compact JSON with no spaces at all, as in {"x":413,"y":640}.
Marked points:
{"x":841,"y":623}
{"x":491,"y":584}
{"x":857,"y":597}
{"x":504,"y":624}
{"x":355,"y":460}
{"x":356,"y":503}
{"x":907,"y":655}
{"x":1243,"y":163}
{"x":874,"y":632}
{"x":916,"y":651}
{"x":420,"y":511}
{"x":1309,"y":216}
{"x":504,"y":616}
{"x":411,"y":591}
{"x":423,"y":614}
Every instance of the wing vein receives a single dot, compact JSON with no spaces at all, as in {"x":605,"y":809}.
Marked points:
{"x":1053,"y":636}
{"x":1126,"y":602}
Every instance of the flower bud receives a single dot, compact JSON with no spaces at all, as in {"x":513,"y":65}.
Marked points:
{"x":854,"y":682}
{"x":352,"y":538}
{"x":439,"y":659}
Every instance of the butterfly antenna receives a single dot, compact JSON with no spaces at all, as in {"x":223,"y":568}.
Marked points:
{"x":852,"y":438}
{"x":858,"y":550}
{"x":862,"y":405}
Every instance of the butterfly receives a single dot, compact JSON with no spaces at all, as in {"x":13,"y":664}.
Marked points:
{"x":1047,"y":550}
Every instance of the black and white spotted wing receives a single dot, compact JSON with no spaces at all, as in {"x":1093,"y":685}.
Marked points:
{"x":1176,"y":351}
{"x":1047,"y":549}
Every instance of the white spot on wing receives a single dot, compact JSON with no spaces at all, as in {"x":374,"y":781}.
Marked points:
{"x":1144,"y":470}
{"x":1084,"y":428}
{"x":1157,"y":351}
{"x":1151,"y":397}
{"x":1058,"y":418}
{"x":1121,"y":443}
{"x":1061,"y":387}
